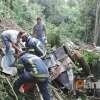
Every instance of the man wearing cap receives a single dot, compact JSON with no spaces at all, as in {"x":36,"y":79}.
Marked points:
{"x":40,"y":31}
{"x":9,"y":40}
{"x":33,"y":69}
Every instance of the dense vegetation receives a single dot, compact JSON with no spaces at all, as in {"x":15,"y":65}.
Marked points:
{"x":78,"y":20}
{"x":73,"y":19}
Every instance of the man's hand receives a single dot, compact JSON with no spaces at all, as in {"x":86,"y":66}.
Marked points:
{"x":17,"y":54}
{"x":16,"y":48}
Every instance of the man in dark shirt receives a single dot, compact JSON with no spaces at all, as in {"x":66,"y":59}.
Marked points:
{"x":33,"y":69}
{"x":33,"y":44}
{"x":40,"y":31}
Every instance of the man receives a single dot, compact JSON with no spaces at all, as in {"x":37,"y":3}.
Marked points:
{"x":76,"y":56}
{"x":34,"y":44}
{"x":9,"y":40}
{"x":40,"y":31}
{"x":33,"y":70}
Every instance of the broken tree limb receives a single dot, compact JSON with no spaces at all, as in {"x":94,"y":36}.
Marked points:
{"x":56,"y":93}
{"x":10,"y":85}
{"x":11,"y":88}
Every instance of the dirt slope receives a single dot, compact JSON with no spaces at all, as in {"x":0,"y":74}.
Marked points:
{"x":8,"y":24}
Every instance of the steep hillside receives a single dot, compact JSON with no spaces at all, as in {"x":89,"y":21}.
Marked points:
{"x":8,"y":24}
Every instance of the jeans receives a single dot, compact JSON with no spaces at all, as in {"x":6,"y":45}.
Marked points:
{"x":26,"y":77}
{"x":6,"y":42}
{"x":42,"y":39}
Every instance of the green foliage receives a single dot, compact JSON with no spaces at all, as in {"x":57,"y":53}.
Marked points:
{"x":24,"y":14}
{"x":53,"y":35}
{"x":87,"y":17}
{"x":72,"y":19}
{"x":27,"y":14}
{"x":90,"y":56}
{"x":93,"y":60}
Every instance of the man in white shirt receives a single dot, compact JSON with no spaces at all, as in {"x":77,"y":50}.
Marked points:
{"x":10,"y":40}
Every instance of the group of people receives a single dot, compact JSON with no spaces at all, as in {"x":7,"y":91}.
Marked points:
{"x":27,"y":62}
{"x":30,"y":66}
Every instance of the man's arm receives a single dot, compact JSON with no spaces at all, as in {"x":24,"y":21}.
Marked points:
{"x":15,"y":47}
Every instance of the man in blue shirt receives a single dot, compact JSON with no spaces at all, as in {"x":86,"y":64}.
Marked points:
{"x":33,"y":70}
{"x":40,"y":31}
{"x":34,"y":44}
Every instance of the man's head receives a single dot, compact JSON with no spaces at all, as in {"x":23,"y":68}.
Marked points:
{"x":38,"y":20}
{"x":22,"y":35}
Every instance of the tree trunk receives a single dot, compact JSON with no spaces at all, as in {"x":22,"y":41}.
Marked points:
{"x":97,"y":24}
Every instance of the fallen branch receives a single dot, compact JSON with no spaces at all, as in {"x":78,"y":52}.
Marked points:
{"x":56,"y":93}
{"x":10,"y":85}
